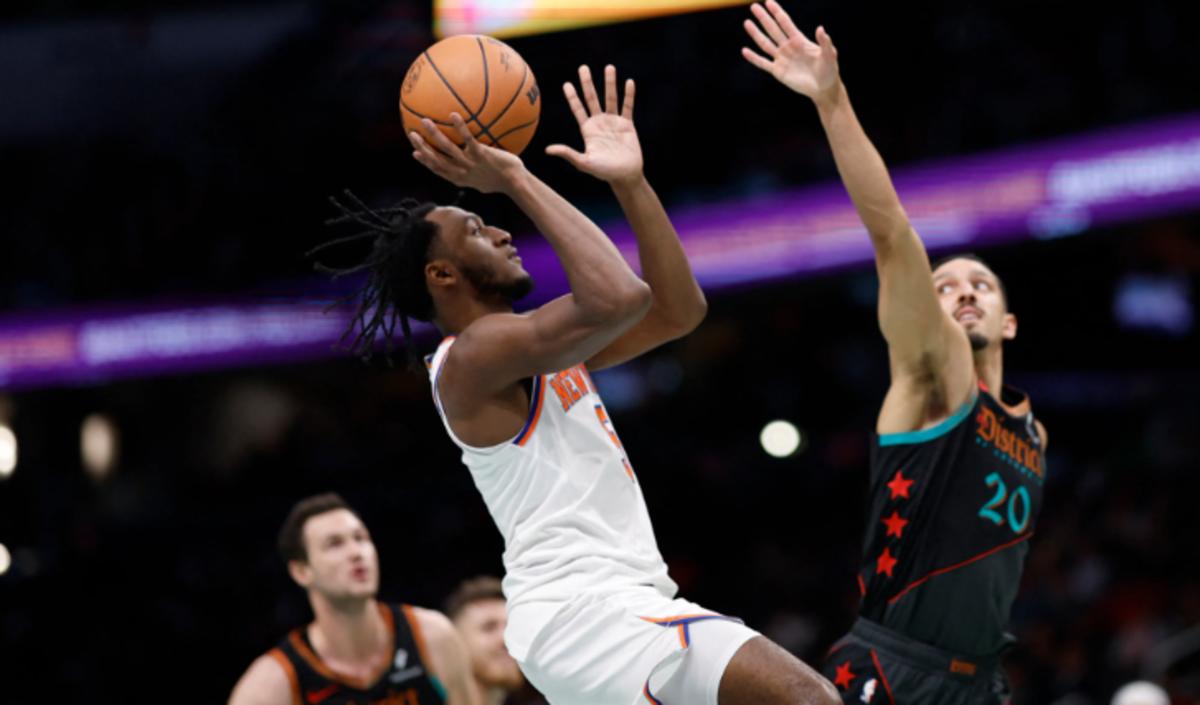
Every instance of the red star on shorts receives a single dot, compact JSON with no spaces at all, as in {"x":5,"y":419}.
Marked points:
{"x":899,"y":486}
{"x":885,"y":563}
{"x":895,"y":524}
{"x":844,"y":676}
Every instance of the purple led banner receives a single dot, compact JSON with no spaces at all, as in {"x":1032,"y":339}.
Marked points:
{"x":1050,"y":190}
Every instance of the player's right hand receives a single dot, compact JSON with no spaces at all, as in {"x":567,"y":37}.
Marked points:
{"x":473,"y":165}
{"x":807,"y":67}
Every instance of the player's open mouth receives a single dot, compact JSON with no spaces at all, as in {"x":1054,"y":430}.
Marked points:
{"x":968,"y":315}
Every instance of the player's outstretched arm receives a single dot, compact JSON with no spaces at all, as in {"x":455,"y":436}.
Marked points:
{"x":607,"y":298}
{"x":448,"y":657}
{"x":924,"y":343}
{"x":613,"y":154}
{"x":264,"y":683}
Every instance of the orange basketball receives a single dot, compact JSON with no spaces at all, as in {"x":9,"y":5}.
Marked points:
{"x":480,"y":78}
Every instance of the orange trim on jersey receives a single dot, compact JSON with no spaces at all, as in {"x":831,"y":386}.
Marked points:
{"x":290,"y":670}
{"x":676,"y":618}
{"x":418,"y":635}
{"x":320,"y":667}
{"x":1015,"y":411}
{"x":956,"y":566}
{"x":539,"y":393}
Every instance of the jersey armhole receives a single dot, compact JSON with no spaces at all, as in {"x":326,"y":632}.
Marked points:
{"x":536,"y":398}
{"x":928,"y":434}
{"x":290,"y":670}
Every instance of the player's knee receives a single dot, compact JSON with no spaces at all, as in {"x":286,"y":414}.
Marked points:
{"x":824,"y":693}
{"x":811,"y":688}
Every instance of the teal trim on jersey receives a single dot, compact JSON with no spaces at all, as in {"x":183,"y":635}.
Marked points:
{"x":437,"y":685}
{"x":895,"y":439}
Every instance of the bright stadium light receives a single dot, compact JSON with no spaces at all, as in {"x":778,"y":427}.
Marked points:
{"x":780,"y":439}
{"x":98,"y":445}
{"x":8,"y":452}
{"x":5,"y":559}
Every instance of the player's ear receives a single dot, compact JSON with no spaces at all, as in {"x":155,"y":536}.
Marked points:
{"x":440,"y":273}
{"x":301,"y":572}
{"x":1010,"y":326}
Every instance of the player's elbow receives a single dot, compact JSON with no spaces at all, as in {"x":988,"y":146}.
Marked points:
{"x":678,"y":323}
{"x":625,"y":301}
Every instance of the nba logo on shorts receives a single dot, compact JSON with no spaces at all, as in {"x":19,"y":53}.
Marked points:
{"x":868,"y":691}
{"x":401,"y":659}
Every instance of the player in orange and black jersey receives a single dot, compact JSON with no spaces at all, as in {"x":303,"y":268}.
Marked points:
{"x":957,"y":463}
{"x":358,"y":651}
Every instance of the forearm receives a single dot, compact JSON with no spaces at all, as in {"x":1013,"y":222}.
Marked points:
{"x":599,"y":276}
{"x":862,"y":169}
{"x":678,"y":300}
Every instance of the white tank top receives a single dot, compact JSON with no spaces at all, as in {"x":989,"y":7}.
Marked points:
{"x":564,"y":496}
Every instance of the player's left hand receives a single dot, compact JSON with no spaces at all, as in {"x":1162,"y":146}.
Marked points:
{"x":807,"y":67}
{"x":612,"y":152}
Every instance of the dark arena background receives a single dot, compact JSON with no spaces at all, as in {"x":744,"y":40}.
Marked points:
{"x":170,"y":385}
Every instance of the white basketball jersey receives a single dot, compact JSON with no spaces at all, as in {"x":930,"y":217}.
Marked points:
{"x":564,"y":496}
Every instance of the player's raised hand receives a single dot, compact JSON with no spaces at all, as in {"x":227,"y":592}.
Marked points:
{"x":794,"y":60}
{"x":612,"y":152}
{"x":473,"y":165}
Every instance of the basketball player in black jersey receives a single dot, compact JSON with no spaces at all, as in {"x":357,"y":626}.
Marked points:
{"x":957,"y":459}
{"x":358,"y":651}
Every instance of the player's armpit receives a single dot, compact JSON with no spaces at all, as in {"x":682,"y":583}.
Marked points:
{"x":266,"y":682}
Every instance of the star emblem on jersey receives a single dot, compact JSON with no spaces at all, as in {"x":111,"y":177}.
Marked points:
{"x":844,"y":676}
{"x":899,"y":486}
{"x":895,"y":524}
{"x":885,"y":563}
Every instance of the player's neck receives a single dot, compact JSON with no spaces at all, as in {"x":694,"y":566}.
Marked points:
{"x":989,"y":367}
{"x":491,"y":696}
{"x":347,"y":631}
{"x":454,"y":317}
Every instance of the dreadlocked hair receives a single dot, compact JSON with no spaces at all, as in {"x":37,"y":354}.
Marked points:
{"x":394,"y":290}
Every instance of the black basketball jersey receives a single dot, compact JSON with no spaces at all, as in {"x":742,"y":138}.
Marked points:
{"x":407,"y":680}
{"x":952,"y":509}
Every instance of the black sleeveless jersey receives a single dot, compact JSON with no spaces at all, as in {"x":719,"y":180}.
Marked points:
{"x":407,"y":681}
{"x":951,"y":512}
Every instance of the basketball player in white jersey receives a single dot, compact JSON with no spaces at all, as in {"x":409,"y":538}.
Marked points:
{"x":593,"y":618}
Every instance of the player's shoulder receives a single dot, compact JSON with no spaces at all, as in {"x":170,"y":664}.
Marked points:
{"x":486,"y":329}
{"x":270,"y":680}
{"x":435,"y":627}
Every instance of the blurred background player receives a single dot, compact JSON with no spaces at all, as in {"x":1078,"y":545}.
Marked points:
{"x":478,"y":610}
{"x":357,"y":649}
{"x":592,"y":617}
{"x":956,"y":462}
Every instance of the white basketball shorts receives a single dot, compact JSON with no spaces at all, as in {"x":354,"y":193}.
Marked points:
{"x":624,"y":648}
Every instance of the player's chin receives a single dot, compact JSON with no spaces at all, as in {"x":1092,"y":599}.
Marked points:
{"x":508,"y":677}
{"x":363,"y":589}
{"x":521,"y":286}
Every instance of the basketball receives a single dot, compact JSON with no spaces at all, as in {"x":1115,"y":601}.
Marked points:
{"x":480,"y":78}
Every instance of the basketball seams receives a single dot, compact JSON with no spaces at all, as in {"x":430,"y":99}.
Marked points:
{"x":422,"y":116}
{"x":511,"y":130}
{"x":458,"y":58}
{"x":513,"y":99}
{"x":472,"y":115}
{"x":486,"y":87}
